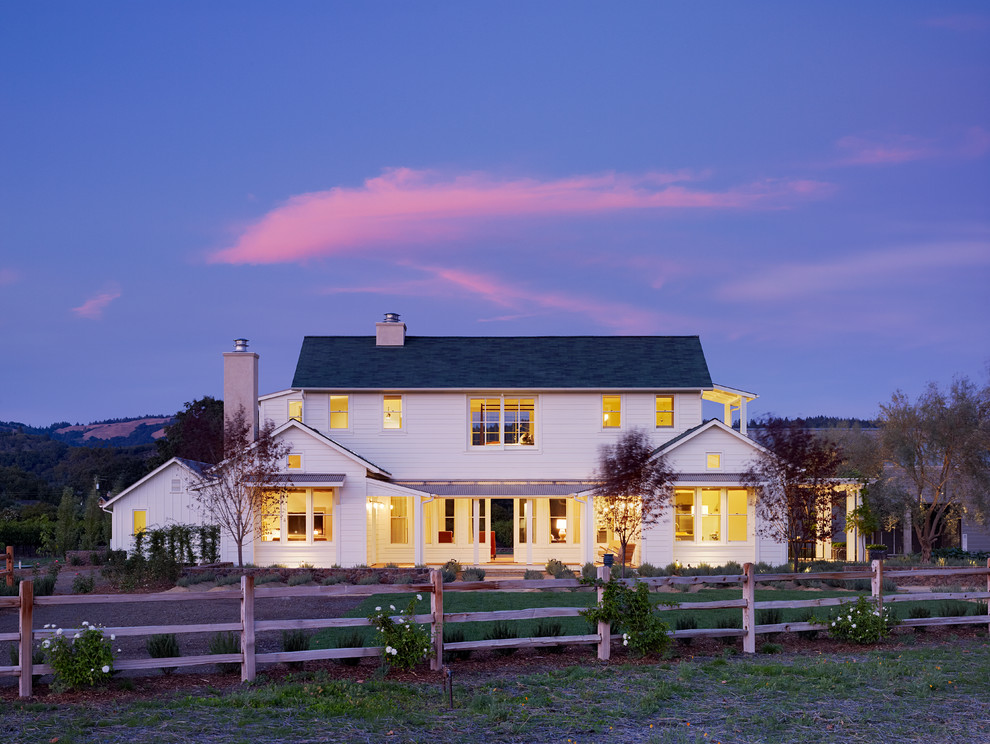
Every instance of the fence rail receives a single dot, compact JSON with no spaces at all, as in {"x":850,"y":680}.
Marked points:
{"x":247,"y":626}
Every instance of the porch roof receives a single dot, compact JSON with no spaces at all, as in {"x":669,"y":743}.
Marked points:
{"x":498,"y":488}
{"x":310,"y":479}
{"x":730,"y":479}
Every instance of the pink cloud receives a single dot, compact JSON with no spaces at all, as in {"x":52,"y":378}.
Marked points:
{"x":93,"y":307}
{"x":8,"y":276}
{"x":961,"y":22}
{"x":970,"y":143}
{"x":405,"y":206}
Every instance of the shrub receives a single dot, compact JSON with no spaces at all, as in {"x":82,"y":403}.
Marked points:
{"x":862,"y":622}
{"x":44,"y":586}
{"x":771,"y":648}
{"x":980,"y":607}
{"x":554,"y":567}
{"x":953,"y":608}
{"x":631,"y":610}
{"x":550,"y":628}
{"x":500,"y":630}
{"x":387,"y":565}
{"x":303,"y":577}
{"x":331,"y":580}
{"x":350,"y":640}
{"x":649,"y":570}
{"x":295,"y":640}
{"x":226,"y":643}
{"x":531,"y":575}
{"x":672,"y":569}
{"x":447,"y":576}
{"x":589,"y":571}
{"x":404,"y":643}
{"x":859,"y":585}
{"x":917,"y":613}
{"x":455,"y":635}
{"x":163,"y":646}
{"x":229,"y":579}
{"x":473,"y":574}
{"x":369,"y":579}
{"x":452,"y":565}
{"x":728,"y":621}
{"x":410,"y":579}
{"x":76,"y":560}
{"x":86,"y":659}
{"x":83,"y":584}
{"x":685,"y":622}
{"x":806,"y":616}
{"x":266,"y":578}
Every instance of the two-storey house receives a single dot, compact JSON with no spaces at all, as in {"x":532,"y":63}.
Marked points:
{"x":403,"y":448}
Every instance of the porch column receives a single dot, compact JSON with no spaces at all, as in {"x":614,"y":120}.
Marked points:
{"x":728,"y":414}
{"x":530,"y":506}
{"x":476,"y":527}
{"x":588,"y":525}
{"x":852,"y":535}
{"x":742,"y":415}
{"x":418,"y":530}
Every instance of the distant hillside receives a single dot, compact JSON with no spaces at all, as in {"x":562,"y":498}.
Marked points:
{"x":126,"y":432}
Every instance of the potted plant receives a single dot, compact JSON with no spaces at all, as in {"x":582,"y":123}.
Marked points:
{"x":877,"y":551}
{"x":838,"y":551}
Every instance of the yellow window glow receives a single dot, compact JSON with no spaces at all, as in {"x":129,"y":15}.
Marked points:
{"x":684,"y":514}
{"x":611,"y":411}
{"x":714,"y":460}
{"x":140,"y":520}
{"x":711,"y":514}
{"x":665,"y":410}
{"x":295,"y":462}
{"x":322,"y":516}
{"x":736,"y":508}
{"x":338,"y":412}
{"x":295,"y":410}
{"x":393,"y":412}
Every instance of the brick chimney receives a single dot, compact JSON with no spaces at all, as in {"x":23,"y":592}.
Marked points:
{"x":390,"y":332}
{"x":240,"y":384}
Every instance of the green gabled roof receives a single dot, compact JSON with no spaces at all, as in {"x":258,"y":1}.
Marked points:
{"x":495,"y":363}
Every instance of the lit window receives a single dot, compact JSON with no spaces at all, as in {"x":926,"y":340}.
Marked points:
{"x":295,"y":515}
{"x":522,"y":521}
{"x":611,"y":411}
{"x":558,"y":520}
{"x":295,"y":410}
{"x":498,"y":421}
{"x":714,"y":460}
{"x":392,"y":406}
{"x":684,"y":515}
{"x":736,"y":508}
{"x":322,"y":516}
{"x":711,"y":514}
{"x":482,"y":528}
{"x":665,"y":411}
{"x":304,"y":516}
{"x":338,"y":412}
{"x":399,"y":520}
{"x":294,"y":462}
{"x":140,"y":521}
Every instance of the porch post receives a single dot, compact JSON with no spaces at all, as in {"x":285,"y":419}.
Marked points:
{"x":530,"y":506}
{"x":419,"y":531}
{"x":589,"y":529}
{"x":852,"y":548}
{"x":476,"y":526}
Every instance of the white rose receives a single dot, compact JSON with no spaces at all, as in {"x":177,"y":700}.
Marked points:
{"x":392,"y":607}
{"x":58,"y":632}
{"x":106,"y":669}
{"x":378,"y":609}
{"x":854,"y":625}
{"x":85,"y":623}
{"x":76,"y":636}
{"x":419,"y":597}
{"x":113,"y":637}
{"x":46,"y":644}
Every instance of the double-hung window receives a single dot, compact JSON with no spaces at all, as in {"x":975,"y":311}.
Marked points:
{"x":303,"y":517}
{"x":665,"y":411}
{"x":339,"y":412}
{"x":611,"y":411}
{"x":295,"y":410}
{"x":392,"y":412}
{"x":502,"y":421}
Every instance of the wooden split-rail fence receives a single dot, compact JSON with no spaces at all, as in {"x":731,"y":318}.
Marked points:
{"x":8,"y":570}
{"x":247,"y":626}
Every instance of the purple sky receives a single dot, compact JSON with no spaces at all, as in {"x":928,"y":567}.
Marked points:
{"x":804,"y":185}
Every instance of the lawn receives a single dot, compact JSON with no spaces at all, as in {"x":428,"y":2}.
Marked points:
{"x":898,"y":693}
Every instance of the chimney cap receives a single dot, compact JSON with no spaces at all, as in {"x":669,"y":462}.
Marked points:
{"x":391,"y":318}
{"x":240,"y":344}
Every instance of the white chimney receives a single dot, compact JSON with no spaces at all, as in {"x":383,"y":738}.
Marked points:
{"x":240,"y":384}
{"x":390,"y":332}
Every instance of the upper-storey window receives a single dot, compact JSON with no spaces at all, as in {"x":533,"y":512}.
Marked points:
{"x":295,"y":410}
{"x":503,"y":421}
{"x":392,"y":412}
{"x":665,"y":411}
{"x":611,"y":411}
{"x":338,"y":412}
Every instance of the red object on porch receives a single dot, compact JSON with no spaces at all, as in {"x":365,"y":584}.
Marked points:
{"x":491,"y":543}
{"x":445,"y":536}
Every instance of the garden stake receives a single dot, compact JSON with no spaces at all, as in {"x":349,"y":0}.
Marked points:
{"x":448,"y":680}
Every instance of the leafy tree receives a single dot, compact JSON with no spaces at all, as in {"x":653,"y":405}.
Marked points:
{"x":634,"y":486}
{"x":937,"y":451}
{"x":195,"y":434}
{"x":796,"y":481}
{"x":247,"y":484}
{"x":63,"y":534}
{"x":95,"y":524}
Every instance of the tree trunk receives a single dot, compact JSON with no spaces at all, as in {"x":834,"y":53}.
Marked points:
{"x":622,"y":559}
{"x":240,"y":554}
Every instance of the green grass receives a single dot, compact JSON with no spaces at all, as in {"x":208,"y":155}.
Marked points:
{"x":937,"y":693}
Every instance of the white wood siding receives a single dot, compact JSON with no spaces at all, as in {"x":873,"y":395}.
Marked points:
{"x":162,"y":506}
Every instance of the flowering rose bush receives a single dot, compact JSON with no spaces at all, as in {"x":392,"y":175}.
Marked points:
{"x":862,"y":622}
{"x":404,"y":643}
{"x":633,"y":611}
{"x":85,"y":659}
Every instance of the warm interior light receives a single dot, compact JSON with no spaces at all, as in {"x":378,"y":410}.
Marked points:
{"x":561,"y":524}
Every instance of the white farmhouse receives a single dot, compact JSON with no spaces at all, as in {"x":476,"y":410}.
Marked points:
{"x":401,"y":447}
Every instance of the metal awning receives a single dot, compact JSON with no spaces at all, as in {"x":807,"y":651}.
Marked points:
{"x":497,"y":489}
{"x":725,"y":479}
{"x":310,"y":479}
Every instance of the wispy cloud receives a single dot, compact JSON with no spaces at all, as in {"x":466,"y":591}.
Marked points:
{"x":961,"y":22}
{"x":8,"y":276}
{"x":856,"y":272}
{"x":93,"y":308}
{"x":405,"y":207}
{"x":973,"y":142}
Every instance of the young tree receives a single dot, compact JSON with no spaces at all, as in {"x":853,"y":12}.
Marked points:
{"x":796,"y":483}
{"x":634,"y":487}
{"x":247,"y":484}
{"x":937,"y":451}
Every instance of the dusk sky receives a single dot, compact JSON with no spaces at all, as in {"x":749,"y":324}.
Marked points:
{"x":806,"y":186}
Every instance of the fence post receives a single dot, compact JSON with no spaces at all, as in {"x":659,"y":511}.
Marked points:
{"x":749,"y":611}
{"x":247,"y":628}
{"x":436,"y":627}
{"x":26,"y":629}
{"x":876,"y":583}
{"x":604,"y":629}
{"x":10,"y":565}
